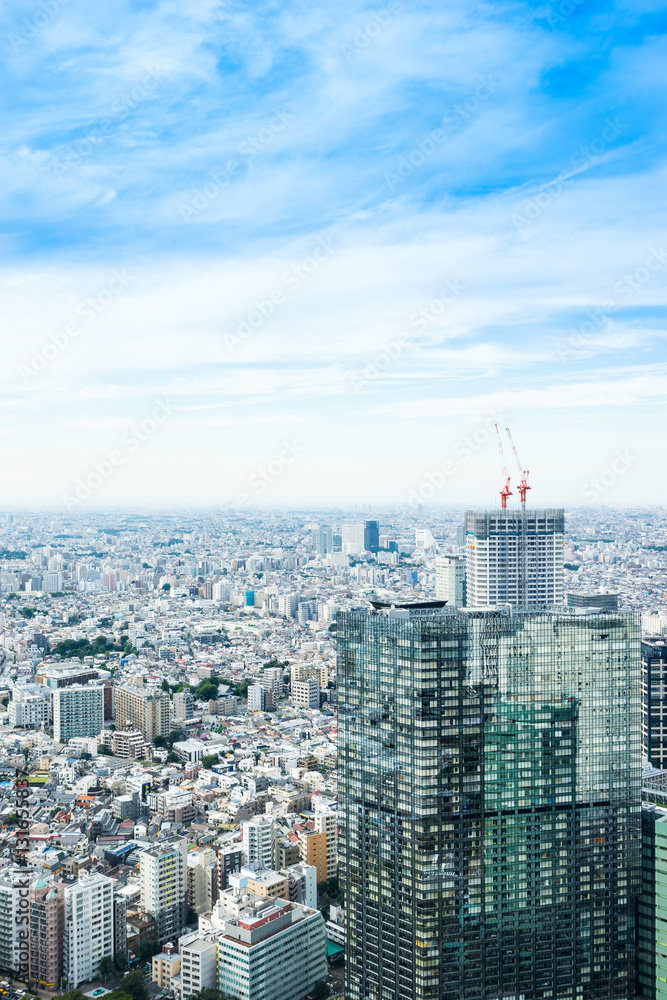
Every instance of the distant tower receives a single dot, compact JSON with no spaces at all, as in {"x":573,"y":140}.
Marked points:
{"x":450,"y":580}
{"x":371,"y":536}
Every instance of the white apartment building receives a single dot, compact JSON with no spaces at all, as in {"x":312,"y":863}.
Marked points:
{"x":258,"y":840}
{"x":77,"y":711}
{"x":450,"y":580}
{"x":14,"y":903}
{"x":287,"y":605}
{"x":514,"y":557}
{"x":306,"y":694}
{"x":273,"y":950}
{"x":29,"y":707}
{"x":89,"y":927}
{"x":164,"y":883}
{"x":199,"y":965}
{"x":256,"y":697}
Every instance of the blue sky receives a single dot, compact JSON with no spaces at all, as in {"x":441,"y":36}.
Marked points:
{"x":363,"y":232}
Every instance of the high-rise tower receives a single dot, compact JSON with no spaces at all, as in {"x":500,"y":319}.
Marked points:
{"x":514,"y":557}
{"x":489,"y":802}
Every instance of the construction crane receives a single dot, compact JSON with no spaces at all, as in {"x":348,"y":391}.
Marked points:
{"x":523,"y":473}
{"x":506,"y":491}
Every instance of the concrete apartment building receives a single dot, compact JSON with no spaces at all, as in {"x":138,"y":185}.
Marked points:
{"x":165,"y":966}
{"x":306,"y":694}
{"x":47,"y":925}
{"x":326,"y":822}
{"x":313,"y":849}
{"x":89,"y":927}
{"x":199,"y":964}
{"x":77,"y":711}
{"x":144,"y":709}
{"x":163,"y":880}
{"x":202,"y":880}
{"x":258,"y":840}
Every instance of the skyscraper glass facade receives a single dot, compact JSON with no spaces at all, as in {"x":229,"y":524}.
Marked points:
{"x":490,"y":827}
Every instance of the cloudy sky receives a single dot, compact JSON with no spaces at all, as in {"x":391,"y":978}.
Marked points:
{"x":275,"y":251}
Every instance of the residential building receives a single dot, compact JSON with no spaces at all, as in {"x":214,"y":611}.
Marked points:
{"x":514,"y":557}
{"x":326,"y":822}
{"x":163,"y":879}
{"x":47,"y":926}
{"x":489,"y":802}
{"x":450,"y":580}
{"x":306,"y":694}
{"x":165,"y":966}
{"x":29,"y":706}
{"x":14,"y":911}
{"x":285,"y":853}
{"x":202,"y":880}
{"x":301,"y":884}
{"x":89,"y":927}
{"x":199,"y":965}
{"x":255,"y":698}
{"x":306,"y":671}
{"x":184,"y":706}
{"x":287,"y":605}
{"x":130,"y":744}
{"x":313,"y":851}
{"x":266,"y":883}
{"x":77,"y":711}
{"x":230,"y":860}
{"x":654,"y":701}
{"x":273,"y":678}
{"x":323,"y":540}
{"x":119,"y":924}
{"x":258,"y":839}
{"x":271,"y":951}
{"x":143,"y":709}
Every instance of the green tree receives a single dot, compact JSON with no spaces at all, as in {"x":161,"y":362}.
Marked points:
{"x":106,"y":966}
{"x":166,"y":586}
{"x":148,"y":949}
{"x":210,"y":759}
{"x":241,"y":689}
{"x":120,"y":960}
{"x":134,"y":984}
{"x":73,"y":995}
{"x":207,"y":691}
{"x":165,"y":686}
{"x":208,"y":993}
{"x":104,"y":750}
{"x":160,"y":741}
{"x":320,"y":990}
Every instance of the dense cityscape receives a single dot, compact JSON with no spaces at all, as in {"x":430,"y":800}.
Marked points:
{"x":189,"y":810}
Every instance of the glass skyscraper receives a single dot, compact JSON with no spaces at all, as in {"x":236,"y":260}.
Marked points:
{"x":489,"y":802}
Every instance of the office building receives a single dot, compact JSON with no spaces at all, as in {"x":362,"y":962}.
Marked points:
{"x":77,"y":711}
{"x":514,"y":557}
{"x":258,"y":839}
{"x":89,"y":928}
{"x":143,"y":709}
{"x":230,"y":860}
{"x":489,"y":802}
{"x":255,"y":698}
{"x":579,"y":599}
{"x":47,"y":926}
{"x":326,"y":822}
{"x":306,"y":694}
{"x":313,"y":851}
{"x":352,"y":539}
{"x":323,"y":540}
{"x":651,"y":923}
{"x":654,"y":701}
{"x":304,"y":671}
{"x":184,"y":706}
{"x":202,"y":880}
{"x":450,"y":580}
{"x":273,"y":950}
{"x":371,"y":536}
{"x":163,"y":880}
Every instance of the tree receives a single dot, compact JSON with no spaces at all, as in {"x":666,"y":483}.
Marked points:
{"x":210,"y":759}
{"x":104,"y":750}
{"x":320,"y":990}
{"x":207,"y":691}
{"x":166,"y":586}
{"x":134,"y":984}
{"x":208,"y":993}
{"x":165,"y":686}
{"x":106,"y":966}
{"x":120,"y":960}
{"x":73,"y":995}
{"x":148,"y":949}
{"x":160,"y":741}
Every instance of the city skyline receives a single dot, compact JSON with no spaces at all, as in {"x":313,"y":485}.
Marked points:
{"x":350,"y":236}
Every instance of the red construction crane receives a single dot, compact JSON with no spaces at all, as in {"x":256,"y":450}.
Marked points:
{"x":524,"y":473}
{"x":506,"y":491}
